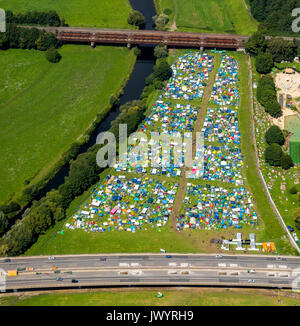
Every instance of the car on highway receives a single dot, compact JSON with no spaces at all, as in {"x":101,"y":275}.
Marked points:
{"x":278,"y":258}
{"x":74,"y":280}
{"x":168,"y":256}
{"x":102,"y":259}
{"x":7,"y":260}
{"x":250,"y":281}
{"x":59,"y":279}
{"x":219,"y":256}
{"x":51,"y":258}
{"x":252,"y":271}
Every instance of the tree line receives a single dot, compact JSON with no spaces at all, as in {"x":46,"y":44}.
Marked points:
{"x":275,"y":16}
{"x":17,"y":37}
{"x":83,"y":173}
{"x":49,"y":18}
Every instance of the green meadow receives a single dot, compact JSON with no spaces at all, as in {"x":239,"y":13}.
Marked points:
{"x":84,"y":13}
{"x":148,"y":297}
{"x":209,"y":16}
{"x":45,"y":107}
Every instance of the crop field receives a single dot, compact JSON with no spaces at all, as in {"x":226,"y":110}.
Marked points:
{"x":209,"y":16}
{"x":147,"y":297}
{"x":45,"y":107}
{"x":84,"y":13}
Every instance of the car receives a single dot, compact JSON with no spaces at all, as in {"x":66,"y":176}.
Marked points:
{"x":59,"y":279}
{"x":102,"y":259}
{"x":51,"y":258}
{"x":218,"y":256}
{"x":278,"y":258}
{"x":74,"y":281}
{"x":7,"y":260}
{"x":168,"y":256}
{"x":250,"y":281}
{"x":290,"y":228}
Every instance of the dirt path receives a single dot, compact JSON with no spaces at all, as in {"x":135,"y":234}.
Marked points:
{"x":174,"y":26}
{"x":198,"y":126}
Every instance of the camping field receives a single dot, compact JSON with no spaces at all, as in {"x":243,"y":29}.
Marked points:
{"x":147,"y":297}
{"x":84,"y":13}
{"x":45,"y":107}
{"x":209,"y":16}
{"x":61,"y":240}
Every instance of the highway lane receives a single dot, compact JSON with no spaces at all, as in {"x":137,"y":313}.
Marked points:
{"x":154,"y":269}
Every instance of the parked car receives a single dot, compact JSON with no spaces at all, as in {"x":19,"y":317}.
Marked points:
{"x":290,"y":228}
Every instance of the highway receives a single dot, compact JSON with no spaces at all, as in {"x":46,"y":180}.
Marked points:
{"x":40,"y":272}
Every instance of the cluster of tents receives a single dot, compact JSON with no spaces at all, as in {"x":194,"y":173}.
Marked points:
{"x":210,"y":207}
{"x":128,"y":204}
{"x":189,"y":77}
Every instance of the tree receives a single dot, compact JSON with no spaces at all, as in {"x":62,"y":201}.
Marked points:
{"x":286,"y":161}
{"x":3,"y":223}
{"x":264,"y":63}
{"x":163,"y":70}
{"x":273,"y":155}
{"x":160,"y":51}
{"x":297,"y":217}
{"x":293,"y":190}
{"x":161,"y":21}
{"x":136,"y":18}
{"x":274,"y":109}
{"x":274,"y":135}
{"x":256,"y":44}
{"x":52,"y":55}
{"x":282,"y":49}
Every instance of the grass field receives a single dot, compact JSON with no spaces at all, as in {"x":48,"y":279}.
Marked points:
{"x":147,"y":297}
{"x":85,"y":13}
{"x":209,"y":16}
{"x":45,"y":107}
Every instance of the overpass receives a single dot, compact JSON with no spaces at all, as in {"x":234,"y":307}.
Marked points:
{"x":147,"y":37}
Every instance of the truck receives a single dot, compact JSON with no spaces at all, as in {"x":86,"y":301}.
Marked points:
{"x":12,"y":273}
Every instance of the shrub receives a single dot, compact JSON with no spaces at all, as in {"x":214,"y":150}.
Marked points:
{"x":136,"y":18}
{"x":297,"y":217}
{"x":52,"y":55}
{"x":293,"y":190}
{"x":168,"y":11}
{"x":160,"y":51}
{"x":286,"y":161}
{"x":273,"y":155}
{"x":274,"y":135}
{"x":264,"y":63}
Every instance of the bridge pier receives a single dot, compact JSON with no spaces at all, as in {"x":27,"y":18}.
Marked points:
{"x":128,"y":46}
{"x":92,"y":45}
{"x":201,"y":48}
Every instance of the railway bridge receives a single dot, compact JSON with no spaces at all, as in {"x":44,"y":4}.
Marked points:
{"x":146,"y":37}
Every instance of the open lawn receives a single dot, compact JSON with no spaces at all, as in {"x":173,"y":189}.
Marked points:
{"x":147,"y":297}
{"x":84,"y":13}
{"x":45,"y":107}
{"x":209,"y":16}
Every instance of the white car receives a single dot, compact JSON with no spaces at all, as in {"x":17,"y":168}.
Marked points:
{"x":250,"y":281}
{"x":218,"y":256}
{"x":51,"y":258}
